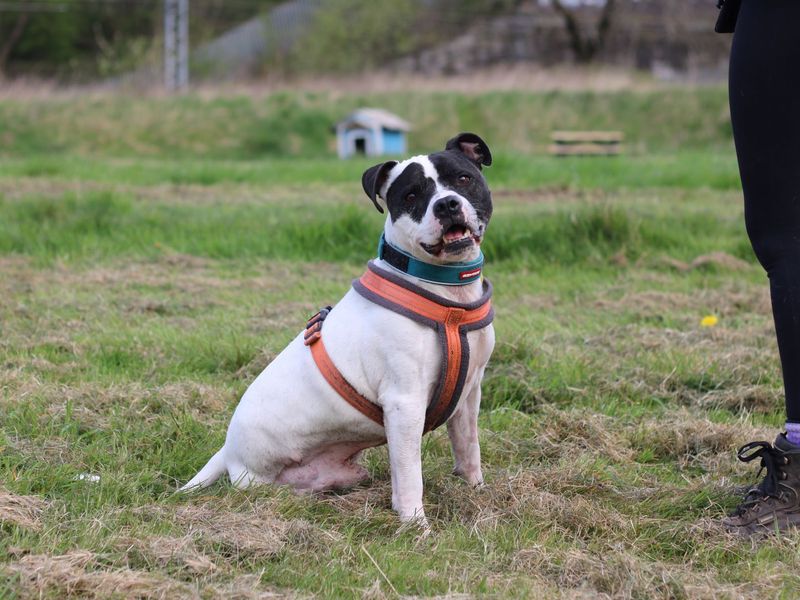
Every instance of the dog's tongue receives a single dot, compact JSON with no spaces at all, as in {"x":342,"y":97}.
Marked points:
{"x":454,"y":233}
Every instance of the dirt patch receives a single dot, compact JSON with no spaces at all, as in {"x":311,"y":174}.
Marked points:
{"x":720,"y":260}
{"x":548,"y":194}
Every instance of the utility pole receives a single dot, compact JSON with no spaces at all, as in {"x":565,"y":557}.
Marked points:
{"x":176,"y":44}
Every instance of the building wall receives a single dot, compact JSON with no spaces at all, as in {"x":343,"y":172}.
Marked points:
{"x":394,"y":142}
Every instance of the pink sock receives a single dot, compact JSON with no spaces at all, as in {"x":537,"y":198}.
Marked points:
{"x":793,"y":433}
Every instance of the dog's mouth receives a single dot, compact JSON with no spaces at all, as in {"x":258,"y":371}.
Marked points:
{"x":455,"y":240}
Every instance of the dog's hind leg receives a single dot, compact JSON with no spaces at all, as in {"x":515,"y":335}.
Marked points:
{"x":243,"y":478}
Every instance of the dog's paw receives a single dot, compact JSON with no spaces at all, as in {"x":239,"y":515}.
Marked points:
{"x":416,"y":523}
{"x":473,"y":477}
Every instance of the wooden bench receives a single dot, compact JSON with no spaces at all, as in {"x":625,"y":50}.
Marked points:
{"x":586,"y":143}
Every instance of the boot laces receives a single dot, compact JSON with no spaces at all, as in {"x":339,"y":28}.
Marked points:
{"x":771,"y":461}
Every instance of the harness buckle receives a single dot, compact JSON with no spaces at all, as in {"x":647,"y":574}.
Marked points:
{"x":454,"y":316}
{"x":313,"y":331}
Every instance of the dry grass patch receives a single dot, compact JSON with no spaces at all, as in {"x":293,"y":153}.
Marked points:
{"x":371,"y":500}
{"x":55,"y":451}
{"x":744,"y":399}
{"x":80,"y":573}
{"x":246,"y":587}
{"x":729,"y":300}
{"x":22,"y":511}
{"x":530,"y":499}
{"x":688,"y":438}
{"x":721,"y":260}
{"x":163,"y":551}
{"x":21,"y":189}
{"x":609,"y":573}
{"x":258,"y":532}
{"x":196,"y":281}
{"x":565,"y":433}
{"x":94,"y":404}
{"x":548,"y":195}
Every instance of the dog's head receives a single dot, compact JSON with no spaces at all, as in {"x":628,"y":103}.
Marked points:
{"x":439,"y":205}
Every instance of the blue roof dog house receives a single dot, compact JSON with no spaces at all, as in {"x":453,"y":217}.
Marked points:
{"x":371,"y":132}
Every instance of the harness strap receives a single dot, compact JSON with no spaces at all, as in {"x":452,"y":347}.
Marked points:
{"x":334,"y":377}
{"x":450,"y":320}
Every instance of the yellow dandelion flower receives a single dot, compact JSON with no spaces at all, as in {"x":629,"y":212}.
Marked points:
{"x":709,"y":321}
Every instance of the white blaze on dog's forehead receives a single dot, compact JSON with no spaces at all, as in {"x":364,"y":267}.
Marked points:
{"x":422,"y":160}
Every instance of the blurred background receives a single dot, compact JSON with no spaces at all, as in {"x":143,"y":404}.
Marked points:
{"x":328,"y":53}
{"x":117,"y":41}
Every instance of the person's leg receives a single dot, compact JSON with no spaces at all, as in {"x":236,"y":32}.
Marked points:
{"x":765,"y":112}
{"x":764,"y":91}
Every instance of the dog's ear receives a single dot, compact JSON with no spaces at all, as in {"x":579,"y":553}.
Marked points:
{"x":471,"y":146}
{"x":373,"y":180}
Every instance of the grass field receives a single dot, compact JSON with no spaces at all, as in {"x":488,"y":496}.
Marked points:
{"x":141,"y":290}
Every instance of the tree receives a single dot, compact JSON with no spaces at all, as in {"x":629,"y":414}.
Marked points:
{"x":11,"y":40}
{"x":352,"y":35}
{"x":584,"y":46}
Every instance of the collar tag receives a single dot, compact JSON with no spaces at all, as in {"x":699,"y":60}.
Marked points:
{"x":469,"y":274}
{"x":453,"y":274}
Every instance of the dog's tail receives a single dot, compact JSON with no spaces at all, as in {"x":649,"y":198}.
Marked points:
{"x":209,"y":474}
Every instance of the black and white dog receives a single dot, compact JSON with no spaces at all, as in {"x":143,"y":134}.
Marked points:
{"x":292,"y":427}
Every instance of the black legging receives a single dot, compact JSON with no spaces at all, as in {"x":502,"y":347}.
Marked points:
{"x":765,"y":111}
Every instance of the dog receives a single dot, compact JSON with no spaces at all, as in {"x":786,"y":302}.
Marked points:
{"x":404,"y":350}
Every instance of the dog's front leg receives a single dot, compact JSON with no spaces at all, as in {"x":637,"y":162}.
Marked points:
{"x":463,"y":431}
{"x":404,"y":420}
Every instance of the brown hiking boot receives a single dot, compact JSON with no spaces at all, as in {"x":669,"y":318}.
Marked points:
{"x":774,"y":504}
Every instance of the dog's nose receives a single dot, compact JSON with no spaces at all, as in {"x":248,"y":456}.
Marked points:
{"x":446,"y":207}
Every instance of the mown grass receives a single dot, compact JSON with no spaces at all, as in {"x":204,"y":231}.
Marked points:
{"x":135,"y":309}
{"x":686,"y":169}
{"x":103,"y":224}
{"x":299,"y":123}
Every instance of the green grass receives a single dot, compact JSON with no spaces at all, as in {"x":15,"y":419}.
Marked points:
{"x":104,"y":224}
{"x":299,"y":123}
{"x":140,"y":296}
{"x":686,"y":170}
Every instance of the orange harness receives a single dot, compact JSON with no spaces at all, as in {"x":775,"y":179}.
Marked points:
{"x":450,"y":320}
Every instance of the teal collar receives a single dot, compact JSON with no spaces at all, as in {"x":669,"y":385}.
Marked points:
{"x":452,"y":274}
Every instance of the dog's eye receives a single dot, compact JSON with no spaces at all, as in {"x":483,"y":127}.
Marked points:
{"x":411,"y":197}
{"x":464,"y":179}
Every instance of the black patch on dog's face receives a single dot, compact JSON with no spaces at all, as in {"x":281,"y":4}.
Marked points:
{"x":458,"y":173}
{"x":410,"y":193}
